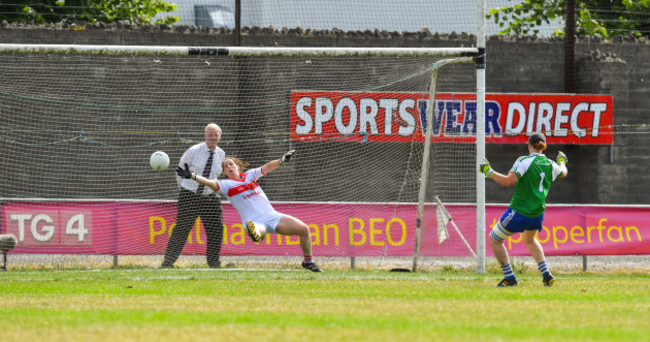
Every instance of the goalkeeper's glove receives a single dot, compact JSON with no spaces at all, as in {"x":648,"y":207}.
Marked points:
{"x":561,"y":158}
{"x":485,"y":168}
{"x":287,"y":157}
{"x":184,"y":173}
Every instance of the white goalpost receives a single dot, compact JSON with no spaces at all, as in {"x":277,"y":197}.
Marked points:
{"x":480,"y":135}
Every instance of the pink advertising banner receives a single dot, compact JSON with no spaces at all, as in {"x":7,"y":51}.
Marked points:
{"x":338,"y":229}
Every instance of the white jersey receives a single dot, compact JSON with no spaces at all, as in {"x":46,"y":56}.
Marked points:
{"x":247,"y":197}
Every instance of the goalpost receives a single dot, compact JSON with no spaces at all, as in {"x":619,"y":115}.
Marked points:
{"x":80,"y":129}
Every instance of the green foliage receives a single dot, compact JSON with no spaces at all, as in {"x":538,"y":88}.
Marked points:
{"x":50,"y":11}
{"x":604,"y":17}
{"x":136,"y":11}
{"x":526,"y":17}
{"x":32,"y":14}
{"x":588,"y":23}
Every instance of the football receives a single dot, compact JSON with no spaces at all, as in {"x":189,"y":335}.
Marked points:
{"x":159,"y":161}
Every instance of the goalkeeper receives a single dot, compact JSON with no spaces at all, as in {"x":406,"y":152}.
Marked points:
{"x":254,"y":208}
{"x":532,"y":174}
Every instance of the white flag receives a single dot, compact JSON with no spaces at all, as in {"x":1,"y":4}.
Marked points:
{"x":442,"y":219}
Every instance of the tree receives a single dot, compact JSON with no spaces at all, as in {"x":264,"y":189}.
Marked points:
{"x":605,"y":17}
{"x":51,"y":11}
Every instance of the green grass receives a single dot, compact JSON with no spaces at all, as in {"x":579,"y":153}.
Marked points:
{"x":238,"y":305}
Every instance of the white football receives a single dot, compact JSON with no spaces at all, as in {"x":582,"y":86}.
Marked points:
{"x":159,"y":161}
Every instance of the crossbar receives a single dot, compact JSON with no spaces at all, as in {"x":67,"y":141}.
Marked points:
{"x":235,"y":50}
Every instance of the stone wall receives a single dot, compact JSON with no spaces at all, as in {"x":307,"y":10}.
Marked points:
{"x":615,"y":174}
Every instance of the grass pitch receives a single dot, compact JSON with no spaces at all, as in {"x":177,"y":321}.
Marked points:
{"x":255,"y":305}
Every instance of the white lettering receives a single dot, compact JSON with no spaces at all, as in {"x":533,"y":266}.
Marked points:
{"x":577,"y":131}
{"x":368,"y":110}
{"x":21,"y":218}
{"x":544,"y":116}
{"x":515,"y":108}
{"x":531,"y":118}
{"x":344,"y":103}
{"x":47,"y":229}
{"x":304,"y":115}
{"x":322,"y":113}
{"x":597,"y":108}
{"x":408,"y":120}
{"x":393,"y":115}
{"x":561,"y":118}
{"x":80,"y":229}
{"x":389,"y":106}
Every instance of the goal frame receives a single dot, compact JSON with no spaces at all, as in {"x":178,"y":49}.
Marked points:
{"x":477,"y":54}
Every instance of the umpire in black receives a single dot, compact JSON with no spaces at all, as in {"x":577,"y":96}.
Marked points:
{"x":196,"y":200}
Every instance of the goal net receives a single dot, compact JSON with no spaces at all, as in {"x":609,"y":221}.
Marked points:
{"x":80,"y":122}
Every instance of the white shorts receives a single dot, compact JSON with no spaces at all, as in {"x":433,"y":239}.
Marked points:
{"x":270,"y":221}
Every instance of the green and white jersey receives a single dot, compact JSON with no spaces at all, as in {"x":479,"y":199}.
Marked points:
{"x":536,"y":173}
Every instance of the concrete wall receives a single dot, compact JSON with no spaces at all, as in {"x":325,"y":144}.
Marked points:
{"x":598,"y":174}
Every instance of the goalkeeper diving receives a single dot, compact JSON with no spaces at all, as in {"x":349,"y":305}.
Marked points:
{"x":256,"y":212}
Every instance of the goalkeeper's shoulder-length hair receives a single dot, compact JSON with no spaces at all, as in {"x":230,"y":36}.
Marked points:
{"x":242,"y":165}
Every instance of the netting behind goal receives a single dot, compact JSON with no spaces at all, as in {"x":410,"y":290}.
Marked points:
{"x":77,"y":131}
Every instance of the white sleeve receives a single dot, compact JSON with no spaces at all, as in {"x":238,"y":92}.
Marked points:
{"x":254,"y":174}
{"x":516,"y":168}
{"x":185,"y":158}
{"x":557,"y":170}
{"x":223,"y":187}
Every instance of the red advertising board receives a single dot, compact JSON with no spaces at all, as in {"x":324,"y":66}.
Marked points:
{"x":401,"y":117}
{"x":348,"y":229}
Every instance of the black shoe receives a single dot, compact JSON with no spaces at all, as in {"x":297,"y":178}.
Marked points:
{"x":549,"y":280}
{"x":506,"y":282}
{"x":311,"y":266}
{"x":252,"y":232}
{"x":216,"y":264}
{"x":166,"y":265}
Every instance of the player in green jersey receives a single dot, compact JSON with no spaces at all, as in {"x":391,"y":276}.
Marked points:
{"x":532,"y":174}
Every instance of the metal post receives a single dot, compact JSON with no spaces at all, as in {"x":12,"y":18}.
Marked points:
{"x":237,"y":22}
{"x":570,"y":47}
{"x":480,"y":137}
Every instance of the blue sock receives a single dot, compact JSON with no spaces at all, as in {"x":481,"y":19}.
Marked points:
{"x":508,"y":272}
{"x":542,"y":267}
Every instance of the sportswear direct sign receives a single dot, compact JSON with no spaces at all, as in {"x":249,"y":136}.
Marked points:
{"x":401,"y":117}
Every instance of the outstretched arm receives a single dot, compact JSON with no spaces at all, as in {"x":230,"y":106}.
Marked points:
{"x":274,"y":164}
{"x":509,"y":180}
{"x":187,"y":174}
